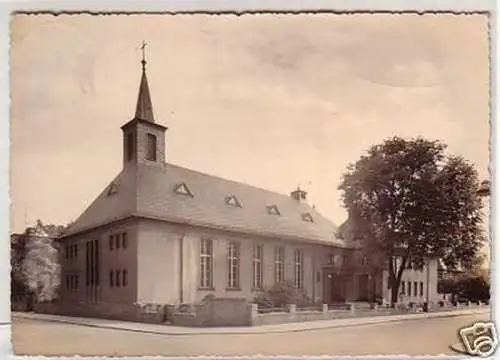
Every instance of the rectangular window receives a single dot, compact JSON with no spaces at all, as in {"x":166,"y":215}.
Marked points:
{"x":117,"y":241}
{"x":111,"y":282}
{"x":111,"y":242}
{"x":67,"y":282}
{"x":345,"y":260}
{"x":117,"y":278}
{"x":206,"y":263}
{"x":364,"y":261}
{"x":298,"y":269}
{"x":77,"y":285}
{"x":91,"y":262}
{"x":130,"y":146}
{"x":151,"y":151}
{"x":409,"y":288}
{"x":233,"y":270}
{"x":415,"y":288}
{"x":67,"y":251}
{"x":76,"y":250}
{"x":124,"y":278}
{"x":257,"y":266}
{"x":421,"y":288}
{"x":96,"y":263}
{"x":403,"y":288}
{"x":87,"y":263}
{"x":124,"y":240}
{"x":279,"y":264}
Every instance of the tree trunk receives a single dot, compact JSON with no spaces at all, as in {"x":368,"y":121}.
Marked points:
{"x":394,"y":295}
{"x":30,"y":302}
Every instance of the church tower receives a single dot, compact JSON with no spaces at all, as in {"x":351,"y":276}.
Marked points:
{"x":143,"y":139}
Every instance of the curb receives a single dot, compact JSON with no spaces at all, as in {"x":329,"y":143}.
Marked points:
{"x":388,"y":319}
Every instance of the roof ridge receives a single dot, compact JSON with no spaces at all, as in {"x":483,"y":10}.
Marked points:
{"x":241,"y":184}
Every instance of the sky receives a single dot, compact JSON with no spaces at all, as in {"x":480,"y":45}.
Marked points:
{"x":269,"y":100}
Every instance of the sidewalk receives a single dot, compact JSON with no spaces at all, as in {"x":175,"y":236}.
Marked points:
{"x":161,"y":329}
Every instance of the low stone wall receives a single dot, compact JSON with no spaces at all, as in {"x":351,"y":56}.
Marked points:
{"x":214,"y":312}
{"x":292,"y":314}
{"x":149,"y":313}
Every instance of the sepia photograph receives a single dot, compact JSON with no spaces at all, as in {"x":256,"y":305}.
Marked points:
{"x":263,"y":184}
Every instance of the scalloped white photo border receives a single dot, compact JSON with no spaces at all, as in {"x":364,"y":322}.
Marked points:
{"x":7,"y":7}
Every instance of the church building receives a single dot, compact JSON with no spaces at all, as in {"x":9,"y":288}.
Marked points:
{"x":164,"y":234}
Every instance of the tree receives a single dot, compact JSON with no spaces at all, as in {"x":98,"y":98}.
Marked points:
{"x":473,"y":288}
{"x":35,"y":267}
{"x":409,"y":201}
{"x":41,"y":269}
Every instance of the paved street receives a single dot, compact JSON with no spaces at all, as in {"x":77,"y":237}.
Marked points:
{"x":413,"y":337}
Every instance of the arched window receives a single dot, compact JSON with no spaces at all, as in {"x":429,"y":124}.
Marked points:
{"x":130,"y":146}
{"x":151,"y":150}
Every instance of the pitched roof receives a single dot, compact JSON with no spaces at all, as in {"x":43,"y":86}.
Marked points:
{"x":150,"y":191}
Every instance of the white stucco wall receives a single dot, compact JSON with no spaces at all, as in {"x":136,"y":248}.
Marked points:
{"x":158,"y":274}
{"x":410,"y":275}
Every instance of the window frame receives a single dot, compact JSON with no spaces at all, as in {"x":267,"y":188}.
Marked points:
{"x":130,"y":146}
{"x":151,"y":147}
{"x":117,"y":278}
{"x":257,"y":267}
{"x":279,"y":264}
{"x":298,"y":268}
{"x":124,"y":240}
{"x":206,"y":263}
{"x":233,"y":265}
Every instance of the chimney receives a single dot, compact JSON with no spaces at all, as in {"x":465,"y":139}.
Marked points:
{"x":298,"y":194}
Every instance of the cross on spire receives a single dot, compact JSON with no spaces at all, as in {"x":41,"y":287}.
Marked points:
{"x":144,"y":108}
{"x":143,"y":61}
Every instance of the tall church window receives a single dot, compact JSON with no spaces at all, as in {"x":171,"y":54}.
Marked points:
{"x":206,"y":262}
{"x":279,"y":264}
{"x":298,"y":269}
{"x":233,"y":258}
{"x":130,"y":146}
{"x":151,"y":150}
{"x":257,"y":266}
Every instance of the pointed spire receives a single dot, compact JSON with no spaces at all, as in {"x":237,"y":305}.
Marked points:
{"x":144,"y":109}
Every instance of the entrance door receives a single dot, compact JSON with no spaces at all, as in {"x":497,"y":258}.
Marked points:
{"x":363,"y":287}
{"x":334,"y":288}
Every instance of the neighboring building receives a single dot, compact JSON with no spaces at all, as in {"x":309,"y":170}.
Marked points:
{"x":160,"y":233}
{"x":418,"y":283}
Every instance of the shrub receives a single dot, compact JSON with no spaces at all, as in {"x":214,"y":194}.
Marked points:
{"x":280,"y":295}
{"x":207,"y":298}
